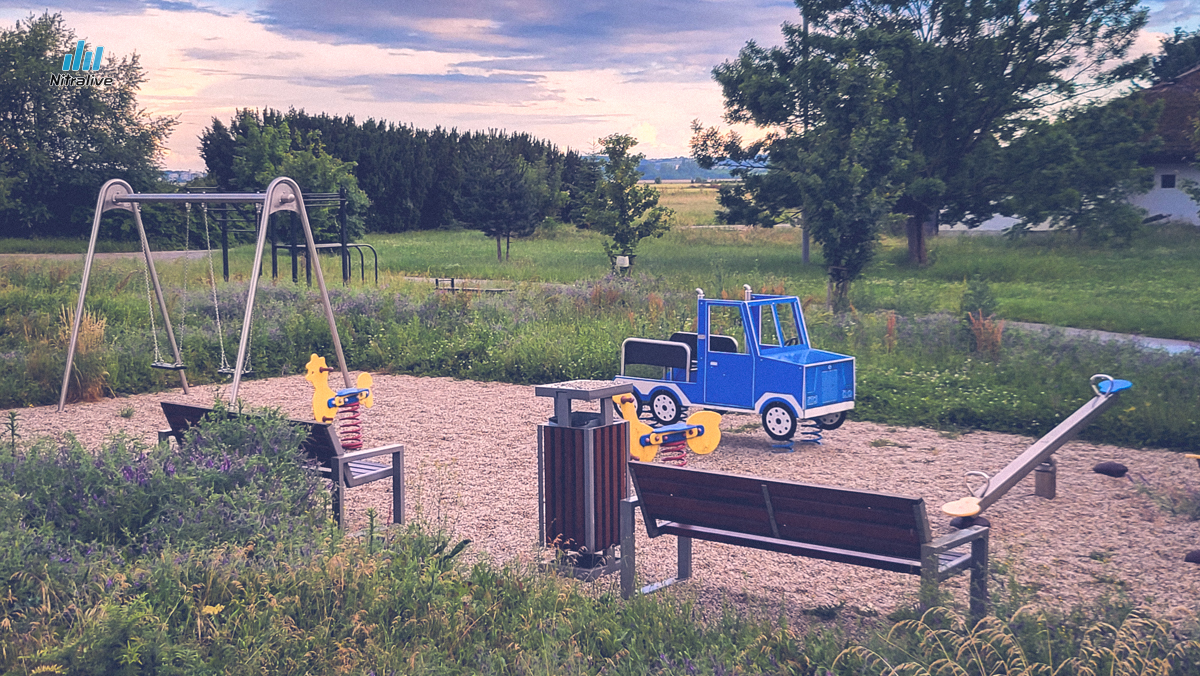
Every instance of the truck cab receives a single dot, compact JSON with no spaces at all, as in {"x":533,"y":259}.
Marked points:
{"x":751,"y":356}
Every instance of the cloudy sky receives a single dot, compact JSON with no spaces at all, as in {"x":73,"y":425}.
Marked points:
{"x":570,"y":71}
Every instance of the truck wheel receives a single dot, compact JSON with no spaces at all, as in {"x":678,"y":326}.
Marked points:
{"x":831,"y":421}
{"x":779,"y":422}
{"x":665,"y":407}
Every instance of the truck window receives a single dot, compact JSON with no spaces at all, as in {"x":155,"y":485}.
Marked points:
{"x":726,"y":320}
{"x":789,"y":328}
{"x":768,"y":334}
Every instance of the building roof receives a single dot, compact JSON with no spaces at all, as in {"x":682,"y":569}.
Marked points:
{"x":1177,"y":125}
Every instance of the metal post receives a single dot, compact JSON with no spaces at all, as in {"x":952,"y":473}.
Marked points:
{"x":292,"y":248}
{"x":628,"y":537}
{"x":342,"y":227}
{"x":312,"y":254}
{"x":224,"y":220}
{"x":103,"y":203}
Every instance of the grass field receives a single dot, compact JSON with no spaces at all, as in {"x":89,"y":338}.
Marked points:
{"x":1148,"y":288}
{"x":694,"y":203}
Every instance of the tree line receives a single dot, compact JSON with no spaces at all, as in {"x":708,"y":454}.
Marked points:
{"x":415,"y":179}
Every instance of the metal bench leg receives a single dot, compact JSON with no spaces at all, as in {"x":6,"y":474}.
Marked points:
{"x":398,"y":486}
{"x":684,"y":558}
{"x":979,"y":578}
{"x":338,"y":493}
{"x":628,"y":571}
{"x":929,"y":577}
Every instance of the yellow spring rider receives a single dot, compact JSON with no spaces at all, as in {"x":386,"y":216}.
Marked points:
{"x":342,"y":405}
{"x":701,"y":433}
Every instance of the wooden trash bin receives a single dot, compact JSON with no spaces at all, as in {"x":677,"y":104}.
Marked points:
{"x":582,"y":475}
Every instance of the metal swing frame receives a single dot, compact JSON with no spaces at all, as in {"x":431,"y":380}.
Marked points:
{"x":283,"y":194}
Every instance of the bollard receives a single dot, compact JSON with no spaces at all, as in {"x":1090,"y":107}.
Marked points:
{"x":1045,"y":479}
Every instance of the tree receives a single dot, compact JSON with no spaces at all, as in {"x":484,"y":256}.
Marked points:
{"x":505,"y":196}
{"x":841,"y":172}
{"x":259,"y":150}
{"x":1177,"y":54}
{"x":60,"y":143}
{"x":621,"y":208}
{"x":967,"y":77}
{"x":1078,"y":172}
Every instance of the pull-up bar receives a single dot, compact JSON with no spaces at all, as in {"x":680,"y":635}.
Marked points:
{"x":257,"y":197}
{"x":283,"y":194}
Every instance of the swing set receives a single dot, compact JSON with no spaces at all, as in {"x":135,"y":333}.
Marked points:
{"x":282,"y":195}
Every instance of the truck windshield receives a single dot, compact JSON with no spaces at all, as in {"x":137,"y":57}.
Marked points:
{"x":789,"y":327}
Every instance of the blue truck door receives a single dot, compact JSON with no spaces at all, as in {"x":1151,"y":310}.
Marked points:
{"x":729,"y":363}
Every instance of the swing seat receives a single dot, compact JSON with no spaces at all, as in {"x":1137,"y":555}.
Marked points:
{"x":230,"y":371}
{"x":168,"y":366}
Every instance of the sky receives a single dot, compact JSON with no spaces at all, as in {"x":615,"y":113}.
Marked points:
{"x":569,"y":71}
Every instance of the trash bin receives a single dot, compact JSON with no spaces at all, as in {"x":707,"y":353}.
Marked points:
{"x":582,"y":475}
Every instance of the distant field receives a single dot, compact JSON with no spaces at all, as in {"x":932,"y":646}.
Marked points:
{"x":694,"y":203}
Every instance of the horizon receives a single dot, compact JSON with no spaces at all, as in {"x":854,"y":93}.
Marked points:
{"x":566,"y":74}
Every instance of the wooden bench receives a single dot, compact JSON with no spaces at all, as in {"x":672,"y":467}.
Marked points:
{"x":345,"y":469}
{"x":876,"y":530}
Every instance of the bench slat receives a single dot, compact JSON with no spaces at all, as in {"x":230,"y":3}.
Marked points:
{"x":828,"y":494}
{"x":739,"y":504}
{"x":750,"y":493}
{"x":858,"y":535}
{"x":892,"y":563}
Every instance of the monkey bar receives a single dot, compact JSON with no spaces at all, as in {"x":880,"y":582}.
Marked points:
{"x":1106,"y":388}
{"x":283,"y":194}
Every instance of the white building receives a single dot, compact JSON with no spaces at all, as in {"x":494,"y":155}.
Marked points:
{"x":1175,"y":160}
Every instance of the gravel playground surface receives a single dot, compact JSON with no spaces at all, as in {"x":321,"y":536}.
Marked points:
{"x":471,"y":467}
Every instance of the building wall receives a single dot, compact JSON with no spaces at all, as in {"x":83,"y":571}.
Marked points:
{"x":1173,"y":202}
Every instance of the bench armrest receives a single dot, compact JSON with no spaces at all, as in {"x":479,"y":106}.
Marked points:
{"x":370,"y":453}
{"x":956,"y":539}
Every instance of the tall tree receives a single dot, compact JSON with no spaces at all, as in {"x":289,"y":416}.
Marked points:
{"x":967,"y":76}
{"x":621,"y":208}
{"x":504,"y":195}
{"x":60,"y":142}
{"x":842,"y":172}
{"x":249,"y":153}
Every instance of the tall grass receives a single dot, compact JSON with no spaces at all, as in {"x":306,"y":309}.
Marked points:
{"x":217,"y":557}
{"x":923,"y":370}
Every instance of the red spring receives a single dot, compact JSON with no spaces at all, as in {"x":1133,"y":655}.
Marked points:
{"x":350,"y":427}
{"x":675,"y":452}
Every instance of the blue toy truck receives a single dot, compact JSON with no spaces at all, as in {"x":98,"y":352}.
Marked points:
{"x":749,"y":356}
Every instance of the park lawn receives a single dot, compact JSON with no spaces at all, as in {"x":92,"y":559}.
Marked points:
{"x":1148,"y":288}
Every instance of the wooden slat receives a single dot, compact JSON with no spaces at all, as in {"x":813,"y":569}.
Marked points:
{"x":871,"y":524}
{"x":895,"y":564}
{"x":826,"y":494}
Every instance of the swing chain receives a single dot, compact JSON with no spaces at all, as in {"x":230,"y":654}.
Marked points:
{"x":212,"y":279}
{"x":149,"y":297}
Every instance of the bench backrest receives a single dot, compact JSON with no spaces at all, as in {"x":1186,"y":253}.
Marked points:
{"x":860,"y":521}
{"x":320,"y":443}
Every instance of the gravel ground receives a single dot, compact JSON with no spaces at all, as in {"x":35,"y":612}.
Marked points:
{"x":471,"y":467}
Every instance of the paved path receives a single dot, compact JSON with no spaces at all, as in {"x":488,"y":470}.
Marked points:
{"x":1170,"y":345}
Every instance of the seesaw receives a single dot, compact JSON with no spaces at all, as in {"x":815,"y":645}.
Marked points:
{"x":1106,"y":388}
{"x":701,"y":433}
